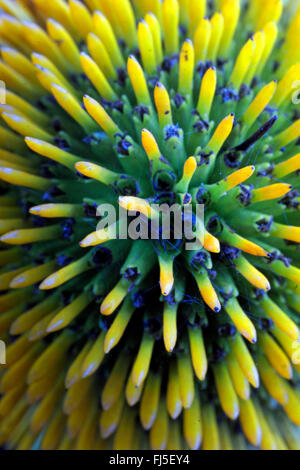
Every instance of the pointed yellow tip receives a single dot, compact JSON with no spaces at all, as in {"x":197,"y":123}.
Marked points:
{"x":138,"y":380}
{"x":251,"y":336}
{"x":132,"y":203}
{"x":254,"y":378}
{"x":221,"y":133}
{"x":35,"y":210}
{"x":49,"y":283}
{"x":9,"y":237}
{"x":58,"y":88}
{"x":238,"y":177}
{"x":92,"y":239}
{"x":89,"y":100}
{"x":17,"y":282}
{"x":88,"y":371}
{"x":166,"y":283}
{"x":211,"y":243}
{"x":84,"y":243}
{"x":272,"y":191}
{"x":108,"y":345}
{"x":14,"y":284}
{"x":108,"y":307}
{"x":82,"y":167}
{"x":124,"y":201}
{"x":33,"y":143}
{"x":131,"y":58}
{"x":149,"y":144}
{"x":265,"y":285}
{"x":261,"y":252}
{"x":54,"y":326}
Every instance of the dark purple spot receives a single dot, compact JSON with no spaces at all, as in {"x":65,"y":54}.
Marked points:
{"x":67,"y":228}
{"x":264,"y":225}
{"x":245,"y":195}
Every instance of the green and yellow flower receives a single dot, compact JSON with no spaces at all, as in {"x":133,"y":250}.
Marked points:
{"x":133,"y":344}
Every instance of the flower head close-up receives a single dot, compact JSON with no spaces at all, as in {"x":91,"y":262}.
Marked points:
{"x":150,"y":224}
